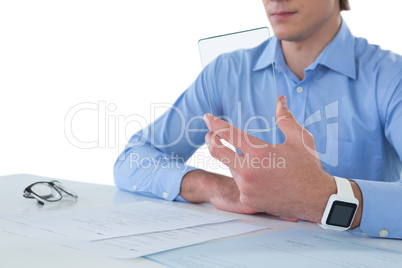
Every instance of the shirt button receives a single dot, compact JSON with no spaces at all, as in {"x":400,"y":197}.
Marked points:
{"x":135,"y":187}
{"x":383,"y":233}
{"x":299,"y":89}
{"x":165,"y":195}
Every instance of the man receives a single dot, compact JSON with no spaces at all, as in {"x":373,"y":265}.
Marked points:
{"x":341,"y":103}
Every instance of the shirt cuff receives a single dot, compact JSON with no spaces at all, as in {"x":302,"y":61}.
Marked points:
{"x":382,"y":214}
{"x":167,"y":183}
{"x":156,"y":179}
{"x":168,"y":187}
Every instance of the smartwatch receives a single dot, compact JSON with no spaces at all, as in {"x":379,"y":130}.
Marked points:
{"x":341,"y":207}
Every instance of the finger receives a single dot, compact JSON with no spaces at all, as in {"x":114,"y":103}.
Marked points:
{"x":235,"y":136}
{"x":220,"y":151}
{"x":286,"y":121}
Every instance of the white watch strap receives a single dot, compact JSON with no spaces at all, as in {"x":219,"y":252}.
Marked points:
{"x":344,"y":188}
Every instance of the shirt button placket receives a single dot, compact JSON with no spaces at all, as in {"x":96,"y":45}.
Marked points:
{"x":299,"y":96}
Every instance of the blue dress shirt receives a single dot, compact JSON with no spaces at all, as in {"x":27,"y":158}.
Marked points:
{"x":350,"y":100}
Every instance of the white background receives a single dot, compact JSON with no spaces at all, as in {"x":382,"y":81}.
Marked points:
{"x":119,"y":57}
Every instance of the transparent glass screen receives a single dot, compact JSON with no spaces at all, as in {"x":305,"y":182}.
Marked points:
{"x":212,"y":47}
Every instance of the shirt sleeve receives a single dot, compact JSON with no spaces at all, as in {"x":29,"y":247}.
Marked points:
{"x":153,"y":162}
{"x":382,"y":210}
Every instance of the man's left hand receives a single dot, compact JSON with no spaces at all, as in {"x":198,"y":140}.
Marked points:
{"x":285,"y":180}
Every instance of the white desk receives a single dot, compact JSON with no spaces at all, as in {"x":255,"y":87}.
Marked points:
{"x":18,"y":251}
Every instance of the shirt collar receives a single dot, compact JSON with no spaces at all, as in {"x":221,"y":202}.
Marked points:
{"x":338,"y":55}
{"x":272,"y":54}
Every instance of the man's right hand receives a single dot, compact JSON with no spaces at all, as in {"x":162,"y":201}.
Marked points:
{"x":201,"y":186}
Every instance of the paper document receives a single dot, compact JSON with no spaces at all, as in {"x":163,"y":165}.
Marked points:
{"x":117,"y":221}
{"x":143,"y":244}
{"x":293,"y":248}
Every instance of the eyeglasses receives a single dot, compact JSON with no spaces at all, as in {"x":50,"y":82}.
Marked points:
{"x":48,"y":191}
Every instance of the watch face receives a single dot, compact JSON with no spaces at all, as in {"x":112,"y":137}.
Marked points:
{"x":341,"y":214}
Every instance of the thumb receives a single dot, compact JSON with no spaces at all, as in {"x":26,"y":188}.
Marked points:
{"x":286,"y":121}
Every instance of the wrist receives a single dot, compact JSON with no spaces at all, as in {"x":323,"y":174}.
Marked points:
{"x":323,"y":195}
{"x":359,"y":196}
{"x":198,"y":186}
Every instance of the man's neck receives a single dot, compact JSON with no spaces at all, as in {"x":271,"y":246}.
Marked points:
{"x":301,"y":54}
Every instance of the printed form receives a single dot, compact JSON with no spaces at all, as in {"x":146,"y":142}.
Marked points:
{"x":117,"y":221}
{"x":143,"y":244}
{"x":292,"y":248}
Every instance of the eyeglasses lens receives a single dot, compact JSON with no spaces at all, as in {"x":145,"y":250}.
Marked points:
{"x":46,"y":192}
{"x":64,"y":189}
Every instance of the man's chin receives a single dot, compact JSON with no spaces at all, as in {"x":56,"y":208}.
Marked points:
{"x":287,"y":35}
